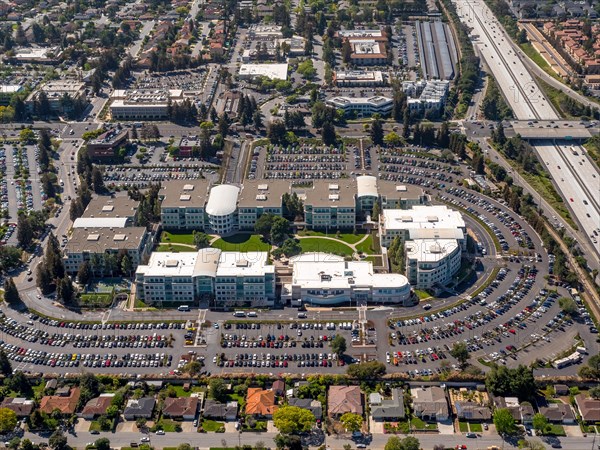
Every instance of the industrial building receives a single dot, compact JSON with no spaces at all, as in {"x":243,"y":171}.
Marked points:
{"x":37,"y":55}
{"x":437,"y":50}
{"x":324,"y":279}
{"x":106,"y":211}
{"x":369,"y":47}
{"x":433,"y":237}
{"x":227,"y":279}
{"x":362,"y":106}
{"x":143,"y":104}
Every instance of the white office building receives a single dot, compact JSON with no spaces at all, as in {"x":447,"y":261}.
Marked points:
{"x":433,"y":237}
{"x":362,"y":106}
{"x":227,"y":279}
{"x":221,"y":209}
{"x":324,"y":279}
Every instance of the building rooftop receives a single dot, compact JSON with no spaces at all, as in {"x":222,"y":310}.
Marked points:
{"x":356,"y":34}
{"x":109,"y":137}
{"x":265,"y":194}
{"x":245,"y":264}
{"x":100,"y":222}
{"x":374,"y":101}
{"x":430,"y":250}
{"x":104,"y":206}
{"x":332,"y":193}
{"x":420,"y":216}
{"x":271,"y":71}
{"x":392,"y":190}
{"x":204,"y":262}
{"x":324,"y":270}
{"x":184,"y":193}
{"x":222,"y":200}
{"x":366,"y":186}
{"x":351,"y":75}
{"x":99,"y":240}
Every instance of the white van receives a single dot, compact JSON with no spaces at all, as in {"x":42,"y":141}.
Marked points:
{"x":252,"y":314}
{"x":183,"y":308}
{"x":239,"y":314}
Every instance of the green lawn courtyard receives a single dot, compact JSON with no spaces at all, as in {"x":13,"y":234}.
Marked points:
{"x":177,"y":238}
{"x":242,"y":243}
{"x":348,"y":238}
{"x":317,"y":244}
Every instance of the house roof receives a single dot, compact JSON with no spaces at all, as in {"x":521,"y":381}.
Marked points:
{"x":557,"y":412}
{"x":278,"y":386}
{"x":343,"y":399}
{"x":65,"y":404}
{"x":141,"y":406}
{"x":472,"y":410}
{"x":383,"y":408}
{"x":313,"y":406}
{"x":588,"y":407}
{"x":213,"y":408}
{"x":21,"y":406}
{"x":97,"y":406}
{"x":430,"y":401}
{"x":260,"y":402}
{"x":182,"y":406}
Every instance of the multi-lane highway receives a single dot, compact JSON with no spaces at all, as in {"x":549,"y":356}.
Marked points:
{"x":574,"y":175}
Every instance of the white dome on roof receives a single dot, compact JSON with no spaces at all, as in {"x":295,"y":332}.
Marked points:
{"x":222,"y":200}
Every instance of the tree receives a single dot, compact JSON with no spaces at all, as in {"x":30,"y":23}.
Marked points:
{"x":58,"y":441}
{"x":346,"y":52}
{"x":595,"y":392}
{"x":443,"y":137}
{"x":10,"y":257}
{"x":218,"y":389}
{"x":5,"y":365}
{"x":11,"y":294}
{"x":43,"y":279}
{"x":567,"y":305}
{"x":291,"y":247}
{"x":97,"y":181}
{"x":408,"y":443}
{"x":126,"y":265}
{"x":193,"y":368}
{"x":504,"y":422}
{"x":352,"y":422}
{"x":84,"y":274}
{"x":24,"y":231}
{"x":292,"y":419}
{"x":377,"y":131}
{"x":102,"y":444}
{"x":8,"y":420}
{"x":201,"y":240}
{"x":328,"y":133}
{"x":338,"y":345}
{"x":307,"y":69}
{"x":392,"y":139}
{"x":276,"y":131}
{"x":517,"y":382}
{"x":367,"y":370}
{"x":26,"y":135}
{"x":461,"y":353}
{"x":539,"y":422}
{"x":531,"y":445}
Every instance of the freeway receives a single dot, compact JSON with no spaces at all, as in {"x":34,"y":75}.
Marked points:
{"x":529,"y":103}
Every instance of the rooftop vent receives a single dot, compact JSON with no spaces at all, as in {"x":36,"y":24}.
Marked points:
{"x":188,"y":187}
{"x":185,"y":197}
{"x":401,"y":188}
{"x":263,"y":187}
{"x":334,"y":187}
{"x":261,"y":197}
{"x":171,"y":263}
{"x":119,"y":237}
{"x":241,"y":263}
{"x":93,"y":237}
{"x":334,"y":197}
{"x":108,"y":208}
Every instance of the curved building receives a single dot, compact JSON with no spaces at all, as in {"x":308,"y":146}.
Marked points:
{"x":326,"y":279}
{"x":221,"y":209}
{"x":366,"y":193}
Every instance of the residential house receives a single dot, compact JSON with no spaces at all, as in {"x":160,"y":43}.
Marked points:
{"x":96,"y":406}
{"x":521,"y":412}
{"x":139,"y":408}
{"x":22,"y":407}
{"x":220,"y":411}
{"x":387,"y":409}
{"x":430,"y":403}
{"x":66,"y":404}
{"x":184,"y":408}
{"x":260,"y":402}
{"x":589,"y":408}
{"x":472,"y":411}
{"x":558,"y":413}
{"x":561,"y":389}
{"x":314,"y":406}
{"x":278,"y":387}
{"x":344,"y":399}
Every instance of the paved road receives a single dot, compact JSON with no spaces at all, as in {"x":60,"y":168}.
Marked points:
{"x":206,"y":440}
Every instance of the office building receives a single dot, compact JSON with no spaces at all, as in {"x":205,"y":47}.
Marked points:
{"x":221,"y":209}
{"x":183,"y":203}
{"x":362,"y":106}
{"x":104,"y":146}
{"x":143,"y":104}
{"x":330,"y":205}
{"x":227,"y":279}
{"x":103,"y":247}
{"x":7,"y":91}
{"x":271,"y":71}
{"x":357,"y":78}
{"x":325,"y":280}
{"x":55,"y":91}
{"x":106,"y":211}
{"x":260,"y":198}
